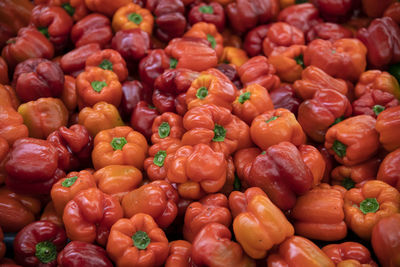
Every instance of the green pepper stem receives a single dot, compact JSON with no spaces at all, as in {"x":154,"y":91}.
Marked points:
{"x":44,"y":31}
{"x":106,"y":65}
{"x":159,"y":158}
{"x":118,"y":143}
{"x":46,"y":252}
{"x":135,"y":18}
{"x":299,"y":60}
{"x":67,"y":7}
{"x":164,"y":129}
{"x":202,"y":92}
{"x":272,"y":119}
{"x":244,"y":97}
{"x":219,"y":133}
{"x":98,"y":85}
{"x":206,"y":9}
{"x":378,"y":109}
{"x":339,"y":148}
{"x":141,"y":240}
{"x":172,"y":63}
{"x":348,"y":183}
{"x":69,"y":181}
{"x":212,"y":41}
{"x":369,"y":205}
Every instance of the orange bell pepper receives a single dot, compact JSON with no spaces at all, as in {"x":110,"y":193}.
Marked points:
{"x":49,"y":214}
{"x":299,"y":251}
{"x":180,"y":254}
{"x":43,"y":116}
{"x":89,"y":216}
{"x":289,"y":63}
{"x":196,"y":169}
{"x":191,"y":53}
{"x":275,"y":126}
{"x":377,"y":80}
{"x":109,"y":59}
{"x":388,"y":127}
{"x":69,"y":96}
{"x":233,"y":55}
{"x":11,"y":123}
{"x":314,"y":79}
{"x":217,"y":127}
{"x":344,"y":58}
{"x":8,"y":96}
{"x":314,"y":161}
{"x":339,"y":253}
{"x":319,"y":215}
{"x":281,"y":35}
{"x":118,"y":180}
{"x":119,"y":146}
{"x":326,"y":108}
{"x":353,"y":176}
{"x":132,"y":16}
{"x":167,"y":125}
{"x":365,"y":206}
{"x":157,"y":199}
{"x":67,"y":188}
{"x":211,"y":87}
{"x":105,"y":7}
{"x":213,"y":208}
{"x":155,"y":163}
{"x":353,"y":140}
{"x":259,"y":70}
{"x":258,"y":224}
{"x":17,"y":210}
{"x":389,"y":170}
{"x":101,"y":116}
{"x":252,"y":101}
{"x":213,"y":247}
{"x":209,"y":32}
{"x":95,"y":85}
{"x":137,"y":242}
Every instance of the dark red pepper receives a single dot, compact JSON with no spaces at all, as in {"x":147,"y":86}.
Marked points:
{"x":374,"y":102}
{"x":285,"y":97}
{"x":38,"y":243}
{"x":132,"y":93}
{"x":132,"y":44}
{"x":230,"y":72}
{"x":210,"y":13}
{"x":254,"y":40}
{"x":142,"y":118}
{"x":78,"y":253}
{"x":38,"y":77}
{"x":94,"y":28}
{"x":328,"y":31}
{"x":152,"y":66}
{"x":335,"y":10}
{"x":302,"y":16}
{"x":73,"y":62}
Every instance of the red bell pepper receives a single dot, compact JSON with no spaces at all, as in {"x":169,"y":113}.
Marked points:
{"x":38,"y":243}
{"x":132,"y":93}
{"x":336,"y":11}
{"x":77,"y":254}
{"x":389,"y":169}
{"x":153,"y":65}
{"x":328,"y":31}
{"x":73,"y":62}
{"x":374,"y":102}
{"x":210,"y":13}
{"x":254,"y":39}
{"x":37,"y":77}
{"x":142,"y":118}
{"x":285,"y":97}
{"x":132,"y":44}
{"x":180,"y":254}
{"x":259,"y":70}
{"x":302,"y":16}
{"x":281,"y":35}
{"x":349,"y":251}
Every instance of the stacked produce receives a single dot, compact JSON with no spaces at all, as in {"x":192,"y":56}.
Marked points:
{"x":200,"y":133}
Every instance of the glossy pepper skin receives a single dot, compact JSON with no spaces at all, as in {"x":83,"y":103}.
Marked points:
{"x":275,"y":126}
{"x":67,"y":188}
{"x":211,"y":87}
{"x":302,"y":16}
{"x":326,"y":108}
{"x":374,"y":102}
{"x":281,"y":35}
{"x":375,"y":9}
{"x":43,"y":116}
{"x":101,"y":116}
{"x":314,"y":79}
{"x":319,"y":215}
{"x":157,"y":199}
{"x":233,"y":55}
{"x":349,"y":251}
{"x":75,"y":8}
{"x":353,"y":176}
{"x":213,"y":247}
{"x":252,"y":101}
{"x":137,"y":241}
{"x":212,"y":208}
{"x":299,"y":251}
{"x":78,"y":253}
{"x":170,"y":18}
{"x":244,"y":15}
{"x":54,"y":22}
{"x":96,"y":84}
{"x":17,"y":210}
{"x":209,"y":32}
{"x":119,"y":146}
{"x":143,"y":117}
{"x":314,"y":160}
{"x":365,"y":206}
{"x":167,"y":125}
{"x":132,"y":16}
{"x":217,"y":127}
{"x":281,"y":173}
{"x":377,"y":80}
{"x":89,"y":216}
{"x":38,"y":243}
{"x":109,"y":59}
{"x":284,"y":97}
{"x":50,"y":214}
{"x":387,"y":126}
{"x":196,"y":169}
{"x":68,"y":95}
{"x":328,"y":31}
{"x":384,"y":234}
{"x":180,"y":254}
{"x":382,"y":40}
{"x":30,"y":43}
{"x":259,"y":70}
{"x":336,"y":11}
{"x":15,"y":14}
{"x":288,"y":62}
{"x":258,"y":224}
{"x":153,"y":65}
{"x":254,"y":39}
{"x":94,"y":28}
{"x":211,"y":13}
{"x":37,"y":77}
{"x":133,"y":92}
{"x":132,"y":44}
{"x":33,"y":167}
{"x":105,"y":7}
{"x":118,"y":180}
{"x":389,"y":169}
{"x":73,"y":62}
{"x":12,"y":127}
{"x":191,"y":53}
{"x":230,"y":71}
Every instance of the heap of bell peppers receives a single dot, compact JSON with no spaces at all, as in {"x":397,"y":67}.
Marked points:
{"x":200,"y":133}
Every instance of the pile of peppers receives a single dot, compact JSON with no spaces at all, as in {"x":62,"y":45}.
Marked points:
{"x":200,"y":133}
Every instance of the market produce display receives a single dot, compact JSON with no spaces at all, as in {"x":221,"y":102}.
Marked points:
{"x":189,"y":133}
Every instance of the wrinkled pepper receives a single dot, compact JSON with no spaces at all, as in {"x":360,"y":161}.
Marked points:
{"x":281,"y":35}
{"x":349,"y":251}
{"x":254,"y":40}
{"x":302,"y":16}
{"x":387,"y":126}
{"x":374,"y":102}
{"x":180,"y":254}
{"x":12,"y":127}
{"x":377,"y":80}
{"x":389,"y":169}
{"x":74,"y":61}
{"x":78,"y":253}
{"x":284,"y":97}
{"x":209,"y":32}
{"x":109,"y":59}
{"x":328,"y":31}
{"x":259,"y":70}
{"x":211,"y":13}
{"x":153,"y":65}
{"x":133,"y":92}
{"x":49,"y":214}
{"x":167,"y":125}
{"x":132,"y":16}
{"x":132,"y":44}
